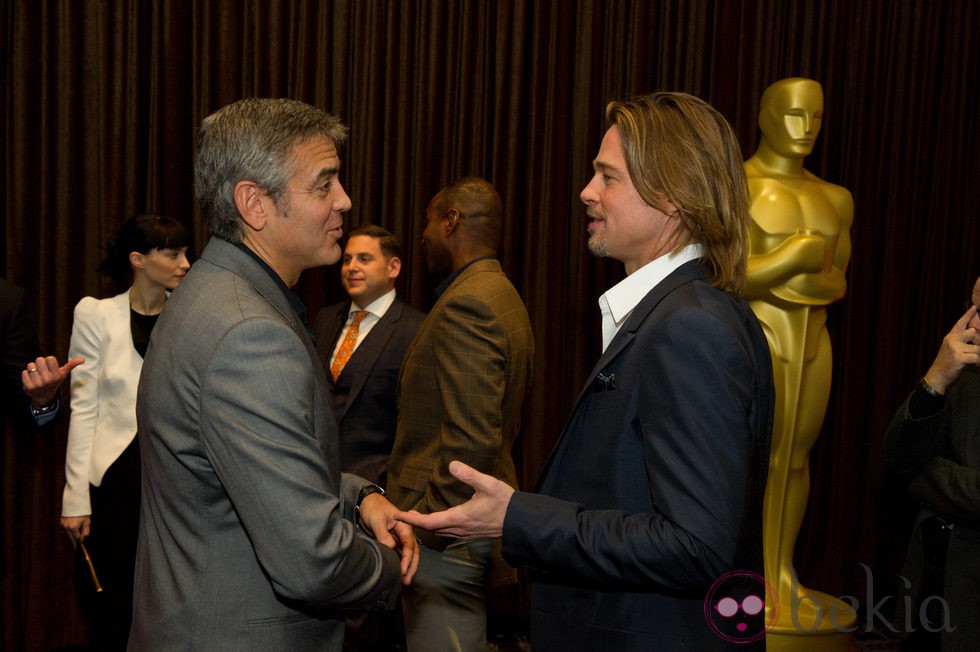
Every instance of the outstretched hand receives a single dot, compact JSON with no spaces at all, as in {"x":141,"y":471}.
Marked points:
{"x":42,"y":378}
{"x":378,"y":519}
{"x":960,"y":347}
{"x":481,"y":517}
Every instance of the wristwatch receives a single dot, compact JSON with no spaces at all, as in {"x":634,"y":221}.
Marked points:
{"x":366,"y":491}
{"x":36,"y":412}
{"x":929,"y":389}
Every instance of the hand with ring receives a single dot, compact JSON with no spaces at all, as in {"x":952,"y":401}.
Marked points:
{"x":42,"y":378}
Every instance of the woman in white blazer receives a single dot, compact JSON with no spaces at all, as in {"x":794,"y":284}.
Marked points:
{"x":101,"y":500}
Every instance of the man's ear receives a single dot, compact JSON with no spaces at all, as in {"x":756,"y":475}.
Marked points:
{"x":248,"y":201}
{"x":669,"y":208}
{"x":452,"y":221}
{"x":394,"y":267}
{"x":666,"y":206}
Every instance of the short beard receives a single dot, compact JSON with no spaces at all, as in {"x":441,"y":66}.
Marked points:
{"x":598,"y":247}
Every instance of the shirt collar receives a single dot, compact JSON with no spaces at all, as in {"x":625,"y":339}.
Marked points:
{"x":291,"y":296}
{"x":618,"y":301}
{"x":378,"y":307}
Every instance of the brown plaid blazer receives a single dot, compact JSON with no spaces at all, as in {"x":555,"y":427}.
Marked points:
{"x":461,"y":390}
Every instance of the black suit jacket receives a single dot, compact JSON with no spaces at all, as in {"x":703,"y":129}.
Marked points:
{"x":18,"y":346}
{"x":364,"y":396}
{"x":939,"y":457}
{"x":654,"y":490}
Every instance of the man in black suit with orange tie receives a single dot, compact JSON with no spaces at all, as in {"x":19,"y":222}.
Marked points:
{"x":364,"y":367}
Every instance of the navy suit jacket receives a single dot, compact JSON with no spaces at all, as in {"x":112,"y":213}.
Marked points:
{"x":654,"y":490}
{"x":365,"y":395}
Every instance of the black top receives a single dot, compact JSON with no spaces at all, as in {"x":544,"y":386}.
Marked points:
{"x":141,"y":327}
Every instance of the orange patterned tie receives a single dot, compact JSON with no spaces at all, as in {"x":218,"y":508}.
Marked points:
{"x":347,"y":345}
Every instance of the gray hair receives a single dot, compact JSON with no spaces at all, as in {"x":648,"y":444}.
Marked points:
{"x":252,"y":140}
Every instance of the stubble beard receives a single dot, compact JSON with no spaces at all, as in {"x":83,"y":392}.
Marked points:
{"x":283,"y":205}
{"x":597,"y":246}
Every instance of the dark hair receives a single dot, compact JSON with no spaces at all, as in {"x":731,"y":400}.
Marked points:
{"x":387,"y":240}
{"x":142,"y":233}
{"x":479,"y":204}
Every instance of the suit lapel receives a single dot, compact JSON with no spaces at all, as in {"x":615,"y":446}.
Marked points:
{"x":120,"y":330}
{"x":336,"y":328}
{"x":686,"y":273}
{"x":328,"y":334}
{"x":368,"y":351}
{"x":228,"y":256}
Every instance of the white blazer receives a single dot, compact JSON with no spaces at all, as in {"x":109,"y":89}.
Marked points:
{"x":103,"y":396}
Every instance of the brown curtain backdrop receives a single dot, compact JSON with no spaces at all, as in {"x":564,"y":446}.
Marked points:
{"x":102,"y":99}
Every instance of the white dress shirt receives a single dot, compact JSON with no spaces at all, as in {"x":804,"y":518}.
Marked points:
{"x":376,"y":310}
{"x":618,"y":302}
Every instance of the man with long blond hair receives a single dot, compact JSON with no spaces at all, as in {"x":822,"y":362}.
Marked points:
{"x":653,"y":494}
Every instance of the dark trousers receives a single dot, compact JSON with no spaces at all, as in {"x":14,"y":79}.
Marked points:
{"x":112,"y":548}
{"x":925,"y":636}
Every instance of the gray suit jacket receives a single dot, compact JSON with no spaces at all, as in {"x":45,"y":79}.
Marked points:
{"x":246,"y":539}
{"x":364,"y":396}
